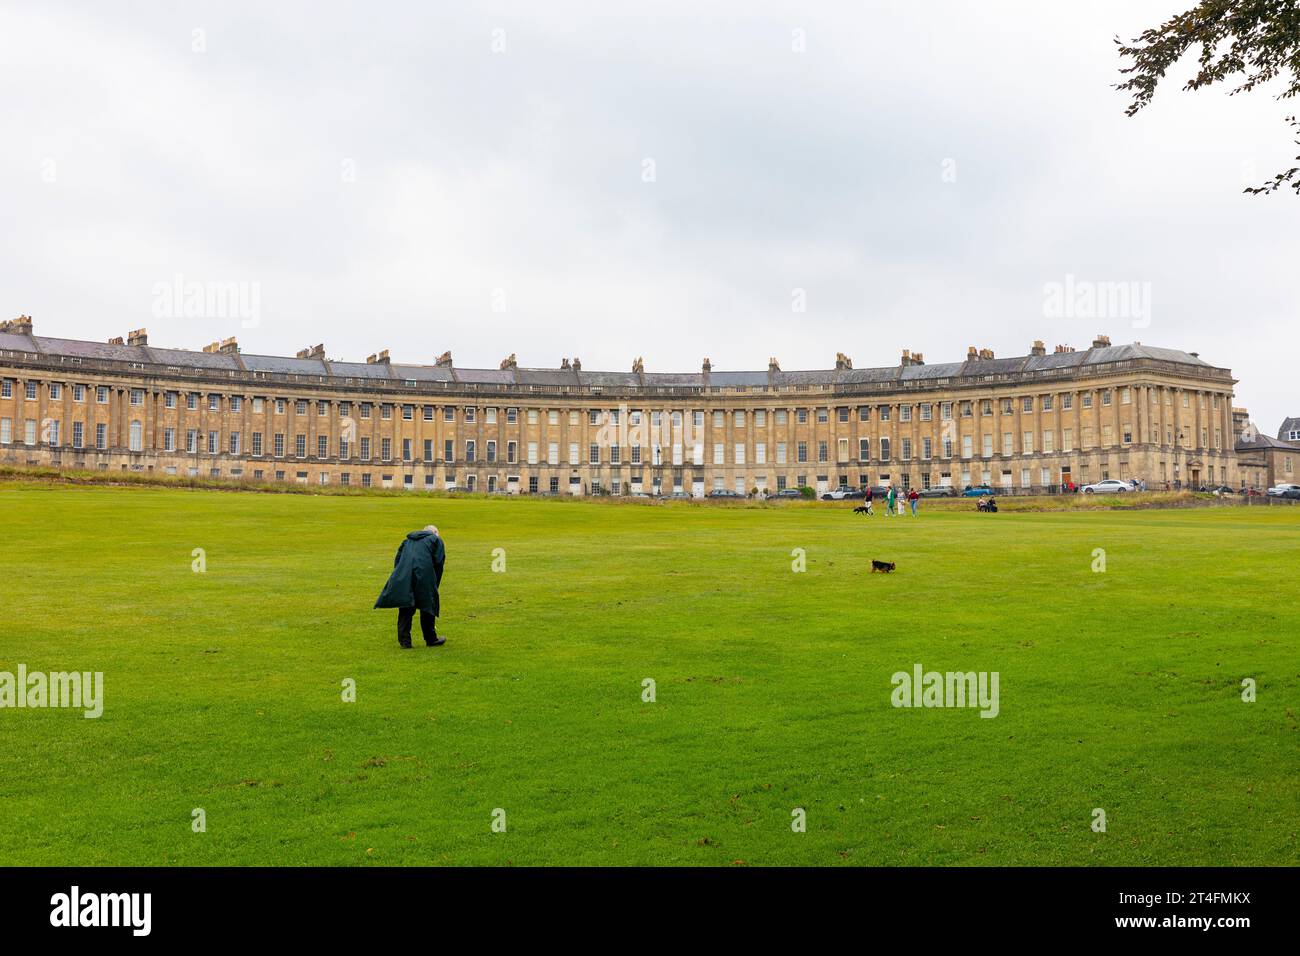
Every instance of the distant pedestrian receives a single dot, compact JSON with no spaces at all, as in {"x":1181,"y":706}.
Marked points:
{"x":870,"y":498}
{"x":913,"y":497}
{"x":890,"y":498}
{"x":413,"y":585}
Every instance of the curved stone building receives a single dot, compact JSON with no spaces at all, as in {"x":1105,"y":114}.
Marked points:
{"x":1026,"y":424}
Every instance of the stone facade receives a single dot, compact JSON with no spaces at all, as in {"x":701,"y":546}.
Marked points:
{"x":1027,"y":424}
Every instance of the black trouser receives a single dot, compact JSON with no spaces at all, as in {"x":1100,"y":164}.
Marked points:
{"x":428,"y":626}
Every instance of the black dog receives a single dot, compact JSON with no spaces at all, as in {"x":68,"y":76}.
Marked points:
{"x":862,"y":510}
{"x":884,"y":567}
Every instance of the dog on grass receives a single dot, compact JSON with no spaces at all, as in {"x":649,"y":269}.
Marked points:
{"x":884,"y":567}
{"x":862,"y":510}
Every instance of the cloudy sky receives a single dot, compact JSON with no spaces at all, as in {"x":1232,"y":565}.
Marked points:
{"x":736,"y":180}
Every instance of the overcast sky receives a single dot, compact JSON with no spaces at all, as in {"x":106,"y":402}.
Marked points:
{"x":672,"y":182}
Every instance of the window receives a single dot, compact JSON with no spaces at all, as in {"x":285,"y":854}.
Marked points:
{"x":884,"y":449}
{"x":385,"y":449}
{"x":365,"y":450}
{"x":233,"y":443}
{"x":257,"y":444}
{"x":300,"y":407}
{"x":137,"y":396}
{"x":322,"y":446}
{"x":470,"y":414}
{"x":300,"y":446}
{"x":279,"y":445}
{"x":1027,"y":404}
{"x":7,"y":388}
{"x":101,"y":395}
{"x":79,"y":434}
{"x":101,"y":436}
{"x":137,"y":436}
{"x":31,"y":392}
{"x":214,"y":443}
{"x":864,"y":449}
{"x":408,"y":413}
{"x":471,"y":450}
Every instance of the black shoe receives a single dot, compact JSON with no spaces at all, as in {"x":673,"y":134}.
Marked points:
{"x":436,"y":642}
{"x":405,"y":647}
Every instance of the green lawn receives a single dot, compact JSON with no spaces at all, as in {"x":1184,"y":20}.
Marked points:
{"x":1118,"y":690}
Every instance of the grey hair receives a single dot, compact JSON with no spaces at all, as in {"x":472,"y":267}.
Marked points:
{"x":431,"y":527}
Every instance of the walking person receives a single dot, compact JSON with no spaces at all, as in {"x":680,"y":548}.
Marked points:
{"x":870,"y":498}
{"x":913,"y":497}
{"x":890,"y":498}
{"x":413,"y":585}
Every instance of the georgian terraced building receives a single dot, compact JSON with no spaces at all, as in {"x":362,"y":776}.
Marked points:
{"x":1026,"y":424}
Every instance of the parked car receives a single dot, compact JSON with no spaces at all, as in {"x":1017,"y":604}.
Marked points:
{"x":938,"y":491}
{"x":680,"y":496}
{"x":1279,"y":491}
{"x":1107,"y":486}
{"x":724,"y":493}
{"x":788,"y":493}
{"x":843,"y":492}
{"x":1292,"y":492}
{"x":1223,"y":490}
{"x":977,"y":491}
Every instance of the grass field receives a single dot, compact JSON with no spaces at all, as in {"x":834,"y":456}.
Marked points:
{"x":223,"y":689}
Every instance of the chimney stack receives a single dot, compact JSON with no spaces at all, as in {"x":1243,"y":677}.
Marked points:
{"x":19,"y":326}
{"x":444,"y":360}
{"x":564,"y":364}
{"x":211,"y":348}
{"x":229,"y":346}
{"x":117,"y":340}
{"x":972,"y":354}
{"x":907,"y":358}
{"x":577,"y":364}
{"x":382,"y":357}
{"x":918,"y":358}
{"x":842,"y":362}
{"x":707,"y":367}
{"x":637,"y":365}
{"x":138,"y":337}
{"x":986,"y":353}
{"x":508,"y":362}
{"x":773,"y":365}
{"x":1039,"y":348}
{"x":1101,"y":342}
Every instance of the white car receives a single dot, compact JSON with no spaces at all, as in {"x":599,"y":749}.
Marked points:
{"x":1107,"y":486}
{"x":1277,"y":491}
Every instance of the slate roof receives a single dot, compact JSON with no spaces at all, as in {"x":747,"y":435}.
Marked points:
{"x":560,"y":378}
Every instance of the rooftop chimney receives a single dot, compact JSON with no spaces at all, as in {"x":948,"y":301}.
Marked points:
{"x":986,"y":353}
{"x":138,"y":337}
{"x":1101,"y":342}
{"x":229,"y":346}
{"x":918,"y":358}
{"x":444,"y":360}
{"x":312,"y":351}
{"x":707,"y":367}
{"x":1039,"y":348}
{"x":19,"y":326}
{"x":637,"y":365}
{"x":972,"y":354}
{"x":907,"y":358}
{"x":509,"y":362}
{"x":117,"y":340}
{"x":564,"y":363}
{"x":382,"y":357}
{"x":370,"y":359}
{"x":842,"y":362}
{"x":577,"y":364}
{"x":773,"y":365}
{"x":210,"y":348}
{"x":1060,"y":349}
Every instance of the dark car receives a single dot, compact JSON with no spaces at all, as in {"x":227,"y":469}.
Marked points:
{"x":977,"y":491}
{"x":724,"y":493}
{"x":937,"y":492}
{"x":788,"y":493}
{"x":1292,"y":493}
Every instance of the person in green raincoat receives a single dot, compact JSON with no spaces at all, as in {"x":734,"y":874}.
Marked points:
{"x":891,"y":500}
{"x":413,"y":585}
